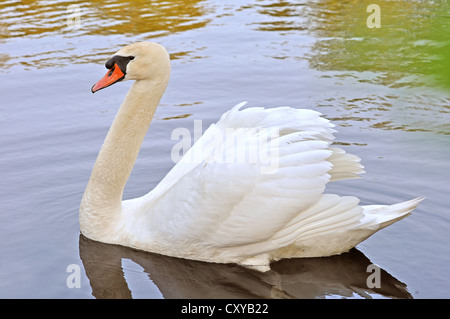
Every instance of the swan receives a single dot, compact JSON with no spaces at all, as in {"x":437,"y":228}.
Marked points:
{"x":210,"y":208}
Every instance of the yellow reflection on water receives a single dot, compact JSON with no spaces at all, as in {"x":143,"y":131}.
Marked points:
{"x":45,"y":34}
{"x":105,"y":17}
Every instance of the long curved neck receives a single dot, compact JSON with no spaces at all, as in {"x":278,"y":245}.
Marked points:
{"x":101,"y":203}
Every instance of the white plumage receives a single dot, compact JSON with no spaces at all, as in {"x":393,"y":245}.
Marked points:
{"x":251,"y":190}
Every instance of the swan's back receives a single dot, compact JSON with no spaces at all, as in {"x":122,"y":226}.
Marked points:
{"x":251,"y":190}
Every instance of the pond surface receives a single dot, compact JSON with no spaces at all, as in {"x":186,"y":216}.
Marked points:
{"x":386,"y":89}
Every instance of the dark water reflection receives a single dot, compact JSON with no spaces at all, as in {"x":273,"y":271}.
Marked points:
{"x":337,"y":276}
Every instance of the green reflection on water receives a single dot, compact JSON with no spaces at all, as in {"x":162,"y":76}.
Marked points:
{"x":412,"y":41}
{"x":411,"y":45}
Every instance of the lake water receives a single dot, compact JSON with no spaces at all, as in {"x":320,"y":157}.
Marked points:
{"x":385,"y":88}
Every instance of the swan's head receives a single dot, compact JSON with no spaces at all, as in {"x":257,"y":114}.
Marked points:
{"x":137,"y":61}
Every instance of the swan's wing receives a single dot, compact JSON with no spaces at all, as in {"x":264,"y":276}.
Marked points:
{"x":219,"y":196}
{"x":238,"y":124}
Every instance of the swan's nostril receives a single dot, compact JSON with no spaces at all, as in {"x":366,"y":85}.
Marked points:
{"x":111,"y":71}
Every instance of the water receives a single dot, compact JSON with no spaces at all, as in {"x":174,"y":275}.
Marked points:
{"x":384,"y":88}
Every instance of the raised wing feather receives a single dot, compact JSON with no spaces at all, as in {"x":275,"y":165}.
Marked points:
{"x":245,"y":179}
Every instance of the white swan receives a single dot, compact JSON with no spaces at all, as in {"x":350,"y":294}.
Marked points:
{"x":212,"y":209}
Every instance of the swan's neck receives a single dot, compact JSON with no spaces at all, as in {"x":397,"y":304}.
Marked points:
{"x":102,"y":200}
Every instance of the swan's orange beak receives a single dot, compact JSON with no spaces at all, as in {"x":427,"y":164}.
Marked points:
{"x":114,"y":75}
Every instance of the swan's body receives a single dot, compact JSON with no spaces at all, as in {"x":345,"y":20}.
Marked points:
{"x":214,"y":209}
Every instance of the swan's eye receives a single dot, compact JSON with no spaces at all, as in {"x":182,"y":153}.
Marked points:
{"x":131,"y":57}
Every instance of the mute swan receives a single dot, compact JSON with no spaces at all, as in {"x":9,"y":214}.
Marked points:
{"x":214,"y":210}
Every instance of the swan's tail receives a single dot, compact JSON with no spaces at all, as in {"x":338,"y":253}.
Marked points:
{"x":381,"y":216}
{"x":336,"y":224}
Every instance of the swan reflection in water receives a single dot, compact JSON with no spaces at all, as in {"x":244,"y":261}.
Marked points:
{"x":342,"y":276}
